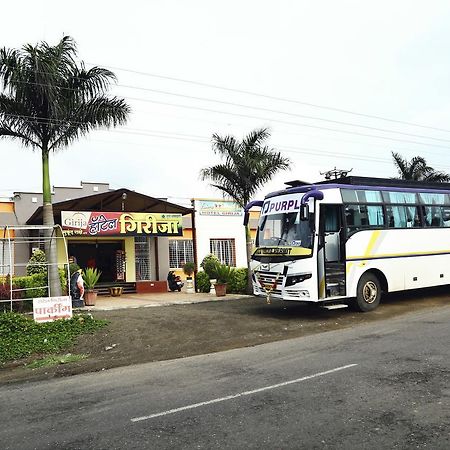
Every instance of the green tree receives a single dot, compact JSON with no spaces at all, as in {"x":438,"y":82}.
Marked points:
{"x":417,"y":170}
{"x":37,"y":263}
{"x":247,"y":165}
{"x":48,"y":101}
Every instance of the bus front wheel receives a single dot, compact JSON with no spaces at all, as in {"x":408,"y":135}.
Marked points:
{"x":368,"y":293}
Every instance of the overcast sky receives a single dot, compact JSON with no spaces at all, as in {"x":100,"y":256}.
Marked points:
{"x":372,"y":58}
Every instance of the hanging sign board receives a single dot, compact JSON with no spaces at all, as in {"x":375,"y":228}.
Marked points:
{"x":91,"y":223}
{"x":48,"y":309}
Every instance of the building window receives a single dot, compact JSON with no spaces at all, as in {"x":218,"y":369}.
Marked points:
{"x":180,"y":251}
{"x":142,"y":258}
{"x":5,"y":266}
{"x":224,"y":249}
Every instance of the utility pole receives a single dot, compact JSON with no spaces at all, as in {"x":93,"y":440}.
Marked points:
{"x":335,"y":173}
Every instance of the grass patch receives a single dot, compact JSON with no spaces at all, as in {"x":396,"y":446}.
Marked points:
{"x":55,"y":360}
{"x":20,"y":336}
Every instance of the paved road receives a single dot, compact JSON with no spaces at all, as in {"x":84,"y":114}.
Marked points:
{"x":382,"y":385}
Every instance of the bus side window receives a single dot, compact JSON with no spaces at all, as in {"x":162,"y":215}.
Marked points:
{"x":446,"y":216}
{"x":403,"y":216}
{"x":435,"y":216}
{"x":427,"y":216}
{"x":363,"y":217}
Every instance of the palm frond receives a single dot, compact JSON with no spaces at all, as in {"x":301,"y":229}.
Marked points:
{"x":51,"y":101}
{"x":417,"y":169}
{"x":247,"y":165}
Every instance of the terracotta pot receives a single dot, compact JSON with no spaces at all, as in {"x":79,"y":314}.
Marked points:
{"x":89,"y":298}
{"x":221,"y":289}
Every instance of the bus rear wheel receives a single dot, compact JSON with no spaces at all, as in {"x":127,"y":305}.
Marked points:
{"x":368,"y":293}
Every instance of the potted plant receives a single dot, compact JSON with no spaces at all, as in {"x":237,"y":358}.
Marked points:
{"x":223,"y":274}
{"x":209,"y":264}
{"x":91,"y":277}
{"x":188,"y":269}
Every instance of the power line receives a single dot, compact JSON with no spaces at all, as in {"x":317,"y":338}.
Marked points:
{"x":319,"y":153}
{"x":303,"y":116}
{"x":258,"y":108}
{"x":286,"y":122}
{"x":186,"y":137}
{"x":282,"y":99}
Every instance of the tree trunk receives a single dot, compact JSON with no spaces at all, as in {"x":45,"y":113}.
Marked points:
{"x":48,"y":220}
{"x":248,"y":241}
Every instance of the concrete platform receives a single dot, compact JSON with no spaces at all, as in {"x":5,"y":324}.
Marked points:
{"x":107,"y":303}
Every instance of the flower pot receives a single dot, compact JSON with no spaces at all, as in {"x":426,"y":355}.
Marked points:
{"x":221,"y":289}
{"x":116,"y":291}
{"x":189,"y":285}
{"x":213,"y":282}
{"x":89,"y":298}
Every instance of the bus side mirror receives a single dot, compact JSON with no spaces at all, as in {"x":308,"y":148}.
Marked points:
{"x":304,"y":212}
{"x":246,"y":218}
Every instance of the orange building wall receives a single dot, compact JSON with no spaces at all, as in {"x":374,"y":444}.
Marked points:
{"x":7,"y":207}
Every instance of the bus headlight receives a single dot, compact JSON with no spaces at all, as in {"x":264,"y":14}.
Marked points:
{"x":294,"y":279}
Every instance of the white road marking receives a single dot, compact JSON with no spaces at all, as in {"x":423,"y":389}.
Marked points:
{"x":241,"y":394}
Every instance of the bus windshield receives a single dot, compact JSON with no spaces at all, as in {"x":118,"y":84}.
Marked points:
{"x":286,"y":230}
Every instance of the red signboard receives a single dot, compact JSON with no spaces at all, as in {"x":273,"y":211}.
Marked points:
{"x":87,"y":223}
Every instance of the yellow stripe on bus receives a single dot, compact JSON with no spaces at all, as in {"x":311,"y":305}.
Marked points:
{"x":322,"y":288}
{"x":372,"y":242}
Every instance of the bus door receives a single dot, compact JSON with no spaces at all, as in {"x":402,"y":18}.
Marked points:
{"x":331,"y":241}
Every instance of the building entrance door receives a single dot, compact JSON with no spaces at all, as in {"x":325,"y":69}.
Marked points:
{"x":101,"y":255}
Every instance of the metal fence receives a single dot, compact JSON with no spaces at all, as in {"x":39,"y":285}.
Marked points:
{"x":16,"y":246}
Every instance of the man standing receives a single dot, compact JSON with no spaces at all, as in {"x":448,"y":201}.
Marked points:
{"x":77,"y":289}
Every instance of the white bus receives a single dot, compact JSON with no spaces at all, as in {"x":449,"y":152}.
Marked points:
{"x":347,"y":241}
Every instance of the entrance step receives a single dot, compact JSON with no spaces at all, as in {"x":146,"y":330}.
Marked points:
{"x":335,"y":306}
{"x":335,"y":279}
{"x":335,"y":289}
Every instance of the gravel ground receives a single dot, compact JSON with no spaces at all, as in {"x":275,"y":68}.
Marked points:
{"x":142,"y":335}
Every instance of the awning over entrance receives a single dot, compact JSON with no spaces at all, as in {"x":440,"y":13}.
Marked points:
{"x":116,"y":200}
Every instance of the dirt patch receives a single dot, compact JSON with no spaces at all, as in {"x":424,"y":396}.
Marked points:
{"x":153,"y":334}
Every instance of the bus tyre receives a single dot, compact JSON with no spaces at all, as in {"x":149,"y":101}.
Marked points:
{"x":368,"y":293}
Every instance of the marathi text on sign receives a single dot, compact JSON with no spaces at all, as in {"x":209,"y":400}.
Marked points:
{"x":120,"y":224}
{"x":48,"y":309}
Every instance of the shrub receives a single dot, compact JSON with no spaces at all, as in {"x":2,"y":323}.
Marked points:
{"x":37,"y":263}
{"x":21,"y":336}
{"x":35,"y":285}
{"x":223,"y":273}
{"x":202,"y":282}
{"x":64,"y":281}
{"x":238,"y":282}
{"x":189,"y":268}
{"x":209,"y":264}
{"x":5,"y":291}
{"x":28,"y":287}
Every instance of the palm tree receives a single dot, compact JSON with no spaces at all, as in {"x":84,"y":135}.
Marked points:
{"x":417,"y":170}
{"x":47,"y":102}
{"x":247,"y":166}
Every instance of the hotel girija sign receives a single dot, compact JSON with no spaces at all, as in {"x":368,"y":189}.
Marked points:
{"x":92,"y":223}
